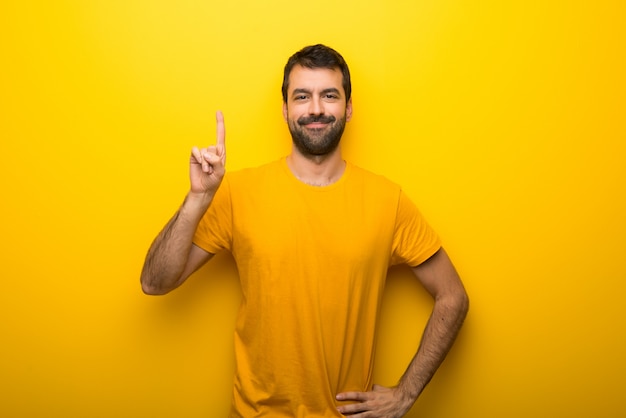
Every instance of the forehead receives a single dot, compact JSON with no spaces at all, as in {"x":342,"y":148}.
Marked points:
{"x":315,"y":78}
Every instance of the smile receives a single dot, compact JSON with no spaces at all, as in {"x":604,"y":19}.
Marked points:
{"x":316,"y":125}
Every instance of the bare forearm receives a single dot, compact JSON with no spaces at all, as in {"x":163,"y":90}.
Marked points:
{"x":442,"y":328}
{"x":167,"y":256}
{"x":439,"y":335}
{"x":438,"y":276}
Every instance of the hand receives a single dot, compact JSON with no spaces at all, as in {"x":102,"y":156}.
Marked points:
{"x":380,"y":402}
{"x":207,"y":165}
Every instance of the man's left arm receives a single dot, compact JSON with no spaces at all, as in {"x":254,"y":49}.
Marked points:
{"x":440,"y":279}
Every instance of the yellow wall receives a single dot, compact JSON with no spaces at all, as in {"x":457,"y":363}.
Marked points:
{"x":504,"y":120}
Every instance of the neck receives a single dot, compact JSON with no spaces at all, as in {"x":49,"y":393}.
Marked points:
{"x":316,"y":170}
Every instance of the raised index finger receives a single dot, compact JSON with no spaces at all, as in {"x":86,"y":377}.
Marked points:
{"x":221,"y":132}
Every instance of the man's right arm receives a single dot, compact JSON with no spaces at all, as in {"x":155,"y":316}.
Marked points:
{"x":172,"y":257}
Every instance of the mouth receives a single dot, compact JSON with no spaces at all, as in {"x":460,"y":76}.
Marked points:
{"x":316,"y":122}
{"x":315,"y":125}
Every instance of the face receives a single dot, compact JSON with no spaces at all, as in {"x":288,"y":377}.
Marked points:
{"x":316,"y":109}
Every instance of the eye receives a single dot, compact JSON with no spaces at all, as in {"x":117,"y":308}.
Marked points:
{"x":300,"y":97}
{"x":331,"y":96}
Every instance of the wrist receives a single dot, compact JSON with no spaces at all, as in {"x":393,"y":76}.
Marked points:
{"x":198,"y":201}
{"x":407,"y":393}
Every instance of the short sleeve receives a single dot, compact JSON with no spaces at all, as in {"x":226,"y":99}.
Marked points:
{"x":214,"y":232}
{"x":414,"y":241}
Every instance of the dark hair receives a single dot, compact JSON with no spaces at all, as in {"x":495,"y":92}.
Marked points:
{"x":318,"y":56}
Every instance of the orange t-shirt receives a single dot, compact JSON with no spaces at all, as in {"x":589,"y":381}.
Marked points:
{"x":312,"y":263}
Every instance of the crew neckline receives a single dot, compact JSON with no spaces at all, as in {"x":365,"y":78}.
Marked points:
{"x":300,"y":183}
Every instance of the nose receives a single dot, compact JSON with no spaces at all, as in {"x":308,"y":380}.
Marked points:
{"x":316,"y":106}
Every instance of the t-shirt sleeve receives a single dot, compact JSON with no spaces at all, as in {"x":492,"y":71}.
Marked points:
{"x":414,"y":241}
{"x":214,"y":232}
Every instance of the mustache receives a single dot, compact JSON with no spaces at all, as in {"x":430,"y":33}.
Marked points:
{"x":305,"y":120}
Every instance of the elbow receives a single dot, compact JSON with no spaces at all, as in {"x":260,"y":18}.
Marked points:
{"x":462,"y":303}
{"x":457,"y":302}
{"x":465,"y":303}
{"x":152,"y":287}
{"x":151,"y":290}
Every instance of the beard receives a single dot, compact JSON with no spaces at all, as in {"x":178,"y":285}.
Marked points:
{"x":317,"y":142}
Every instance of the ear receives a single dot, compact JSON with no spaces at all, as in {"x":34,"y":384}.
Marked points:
{"x":285,"y":111}
{"x":349,"y":110}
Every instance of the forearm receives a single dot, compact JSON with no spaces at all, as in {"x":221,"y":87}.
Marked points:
{"x":439,"y":335}
{"x":168,"y":254}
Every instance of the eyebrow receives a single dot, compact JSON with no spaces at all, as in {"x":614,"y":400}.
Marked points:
{"x":331,"y":90}
{"x":307,"y":91}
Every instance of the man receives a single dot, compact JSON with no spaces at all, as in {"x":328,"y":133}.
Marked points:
{"x":313,"y":237}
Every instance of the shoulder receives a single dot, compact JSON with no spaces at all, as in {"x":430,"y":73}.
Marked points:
{"x":377,"y":183}
{"x":246,"y":175}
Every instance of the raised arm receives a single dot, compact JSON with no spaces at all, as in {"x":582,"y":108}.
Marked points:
{"x":440,"y":279}
{"x":172,"y":257}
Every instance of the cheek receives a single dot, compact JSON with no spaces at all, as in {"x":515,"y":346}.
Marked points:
{"x":294,"y":112}
{"x":342,"y":113}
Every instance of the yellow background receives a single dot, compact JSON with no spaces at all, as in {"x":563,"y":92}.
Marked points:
{"x":503,"y":120}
